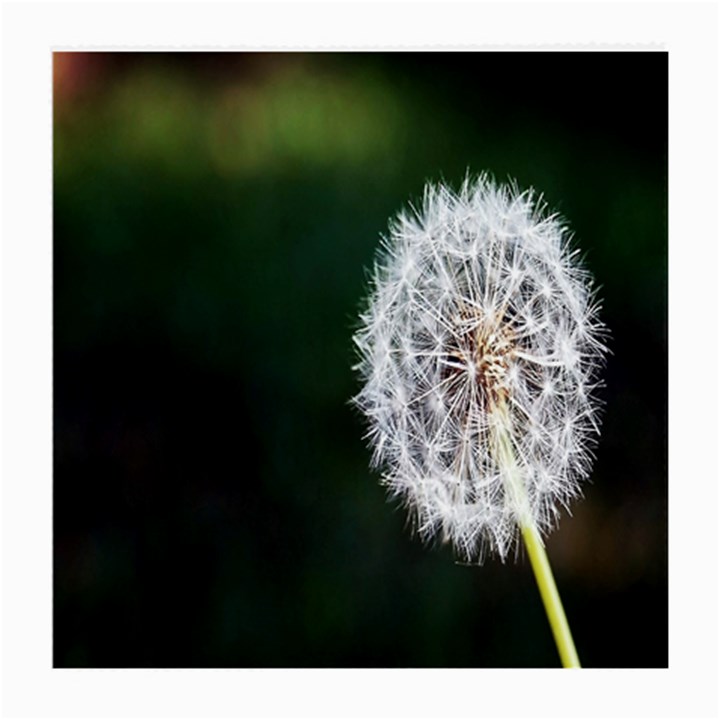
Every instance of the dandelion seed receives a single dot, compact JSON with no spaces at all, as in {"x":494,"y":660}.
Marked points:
{"x":479,"y":353}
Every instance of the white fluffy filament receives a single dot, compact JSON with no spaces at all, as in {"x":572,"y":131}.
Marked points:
{"x":480,"y":313}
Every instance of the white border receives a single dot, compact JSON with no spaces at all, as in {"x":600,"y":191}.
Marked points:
{"x":31,"y":688}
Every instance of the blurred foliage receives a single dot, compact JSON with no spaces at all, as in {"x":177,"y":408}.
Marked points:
{"x":214,"y":219}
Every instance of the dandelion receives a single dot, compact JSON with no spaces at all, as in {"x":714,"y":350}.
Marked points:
{"x":479,"y":354}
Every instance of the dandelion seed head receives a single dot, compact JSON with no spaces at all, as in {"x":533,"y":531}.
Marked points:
{"x":480,"y":314}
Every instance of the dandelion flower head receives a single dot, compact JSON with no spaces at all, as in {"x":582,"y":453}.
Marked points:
{"x":481,"y":324}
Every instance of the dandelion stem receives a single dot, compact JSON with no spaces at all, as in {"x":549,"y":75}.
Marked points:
{"x":517,"y":495}
{"x":550,"y":596}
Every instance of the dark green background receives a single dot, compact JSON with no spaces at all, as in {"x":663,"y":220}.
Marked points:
{"x":214,"y":219}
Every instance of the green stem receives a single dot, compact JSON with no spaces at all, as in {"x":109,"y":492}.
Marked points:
{"x":550,"y":596}
{"x":517,"y":495}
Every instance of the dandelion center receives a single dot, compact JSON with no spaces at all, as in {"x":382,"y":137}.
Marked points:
{"x":484,"y":351}
{"x":492,"y":359}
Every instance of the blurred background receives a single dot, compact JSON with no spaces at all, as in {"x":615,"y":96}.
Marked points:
{"x":215,"y":216}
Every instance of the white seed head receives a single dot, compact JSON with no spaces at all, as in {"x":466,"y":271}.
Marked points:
{"x":480,"y":315}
